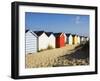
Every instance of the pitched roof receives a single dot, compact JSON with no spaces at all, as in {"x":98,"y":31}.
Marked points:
{"x":74,"y":35}
{"x":38,"y":33}
{"x":68,"y":34}
{"x":57,"y":34}
{"x":78,"y":35}
{"x":30,"y":32}
{"x":81,"y":36}
{"x":48,"y":33}
{"x":85,"y":37}
{"x":26,"y":30}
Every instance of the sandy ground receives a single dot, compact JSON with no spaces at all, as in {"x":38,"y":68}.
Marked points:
{"x":53,"y":57}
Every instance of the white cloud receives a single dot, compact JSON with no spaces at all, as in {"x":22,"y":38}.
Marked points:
{"x":77,"y":20}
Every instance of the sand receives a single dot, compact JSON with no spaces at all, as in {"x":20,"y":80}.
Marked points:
{"x":53,"y":58}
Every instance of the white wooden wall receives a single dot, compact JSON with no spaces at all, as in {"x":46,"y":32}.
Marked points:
{"x":31,"y":43}
{"x":82,"y":39}
{"x":70,"y":40}
{"x":65,"y":37}
{"x":87,"y":39}
{"x":43,"y":41}
{"x":51,"y":40}
{"x":78,"y":40}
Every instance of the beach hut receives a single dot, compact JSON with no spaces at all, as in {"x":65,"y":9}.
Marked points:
{"x":60,"y":40}
{"x":81,"y":39}
{"x":75,"y":39}
{"x":78,"y":39}
{"x":65,"y":37}
{"x":69,"y":39}
{"x":51,"y":39}
{"x":42,"y":40}
{"x":87,"y":39}
{"x":30,"y":42}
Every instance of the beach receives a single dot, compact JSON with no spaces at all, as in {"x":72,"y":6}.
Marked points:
{"x":69,"y":55}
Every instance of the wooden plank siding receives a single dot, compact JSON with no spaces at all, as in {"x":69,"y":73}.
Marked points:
{"x":43,"y":41}
{"x":51,"y":41}
{"x":78,"y":39}
{"x":75,"y":39}
{"x":69,"y":39}
{"x":30,"y":43}
{"x":40,"y":40}
{"x":60,"y":40}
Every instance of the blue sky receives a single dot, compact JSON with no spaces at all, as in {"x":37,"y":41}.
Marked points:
{"x":69,"y":23}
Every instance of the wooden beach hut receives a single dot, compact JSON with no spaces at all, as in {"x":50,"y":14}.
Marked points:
{"x":60,"y":40}
{"x":65,"y":37}
{"x":82,"y":39}
{"x":42,"y":40}
{"x":87,"y":39}
{"x":51,"y":39}
{"x":30,"y":42}
{"x":75,"y":39}
{"x":78,"y":39}
{"x":69,"y":39}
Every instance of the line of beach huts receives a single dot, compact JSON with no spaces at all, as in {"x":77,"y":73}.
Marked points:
{"x":39,"y":40}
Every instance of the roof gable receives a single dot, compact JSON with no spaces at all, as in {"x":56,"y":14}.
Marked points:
{"x":38,"y":33}
{"x":26,"y":31}
{"x":74,"y":35}
{"x":58,"y":34}
{"x":68,"y":34}
{"x":48,"y":33}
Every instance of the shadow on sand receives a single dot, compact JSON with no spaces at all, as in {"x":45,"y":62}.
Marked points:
{"x":82,"y":52}
{"x":80,"y":56}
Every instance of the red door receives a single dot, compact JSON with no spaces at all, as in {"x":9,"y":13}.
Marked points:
{"x":62,"y":41}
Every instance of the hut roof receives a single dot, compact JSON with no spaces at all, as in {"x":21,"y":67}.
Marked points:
{"x":30,"y":32}
{"x":74,"y":35}
{"x":48,"y":33}
{"x":68,"y":34}
{"x":26,"y":30}
{"x":38,"y":33}
{"x":81,"y":36}
{"x":57,"y":34}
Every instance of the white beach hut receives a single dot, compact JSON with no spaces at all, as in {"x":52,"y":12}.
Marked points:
{"x":78,"y":39}
{"x":69,"y":39}
{"x":30,"y":42}
{"x":87,"y":39}
{"x":42,"y":40}
{"x":51,"y":39}
{"x":82,"y":39}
